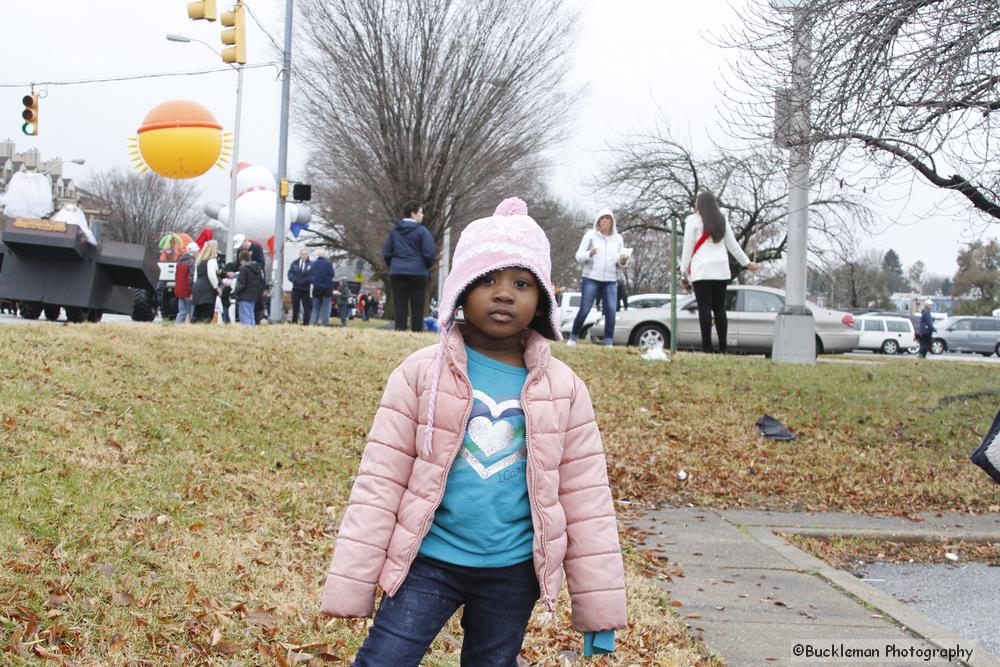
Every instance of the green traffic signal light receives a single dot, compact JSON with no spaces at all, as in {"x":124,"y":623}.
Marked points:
{"x":30,"y":115}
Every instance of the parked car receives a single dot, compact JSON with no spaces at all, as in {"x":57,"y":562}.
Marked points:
{"x":566,"y":309}
{"x":967,"y":334}
{"x":913,"y":317}
{"x":888,"y":335}
{"x":751,"y":309}
{"x":652,"y":300}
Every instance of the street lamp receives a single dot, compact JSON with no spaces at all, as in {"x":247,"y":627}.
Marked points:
{"x":57,"y":163}
{"x":231,"y":222}
{"x":794,"y":327}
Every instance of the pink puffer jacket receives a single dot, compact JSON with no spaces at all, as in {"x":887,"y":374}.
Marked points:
{"x":396,"y":492}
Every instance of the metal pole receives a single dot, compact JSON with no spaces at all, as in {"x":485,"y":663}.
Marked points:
{"x":231,"y":221}
{"x":278,"y":260}
{"x":673,"y":285}
{"x":795,"y":328}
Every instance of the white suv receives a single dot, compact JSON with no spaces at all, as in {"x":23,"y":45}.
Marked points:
{"x":888,"y":335}
{"x":566,"y":309}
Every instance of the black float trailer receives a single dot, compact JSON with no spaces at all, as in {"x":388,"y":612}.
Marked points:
{"x":47,"y":265}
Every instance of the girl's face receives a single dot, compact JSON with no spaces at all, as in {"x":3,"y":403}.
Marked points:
{"x":503,"y":303}
{"x":604,"y":225}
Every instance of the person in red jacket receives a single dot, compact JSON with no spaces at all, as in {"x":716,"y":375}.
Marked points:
{"x":184,"y":284}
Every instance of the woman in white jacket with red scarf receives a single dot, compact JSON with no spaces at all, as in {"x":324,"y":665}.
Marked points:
{"x":708,"y":240}
{"x":601,"y":251}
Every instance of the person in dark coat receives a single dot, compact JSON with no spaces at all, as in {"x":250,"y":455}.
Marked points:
{"x":300,"y":275}
{"x":250,"y":286}
{"x":206,"y":282}
{"x":256,"y":250}
{"x":409,"y":253}
{"x":926,"y":332}
{"x":344,"y":295}
{"x":322,"y":288}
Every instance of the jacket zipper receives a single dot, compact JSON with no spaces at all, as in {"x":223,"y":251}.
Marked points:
{"x":549,"y":602}
{"x":430,"y":515}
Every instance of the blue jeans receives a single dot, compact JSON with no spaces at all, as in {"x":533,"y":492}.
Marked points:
{"x":247,"y":317}
{"x":497,"y":607}
{"x":609,"y":301}
{"x":345,"y":312}
{"x":185,"y":309}
{"x":321,"y":310}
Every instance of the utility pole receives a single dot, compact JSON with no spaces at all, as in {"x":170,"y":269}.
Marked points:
{"x":278,"y":260}
{"x":673,"y":284}
{"x":234,"y":165}
{"x":794,"y":327}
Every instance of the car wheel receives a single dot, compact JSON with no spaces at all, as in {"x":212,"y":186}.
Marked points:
{"x":819,"y":346}
{"x":651,"y":335}
{"x":996,"y":350}
{"x":51,"y":311}
{"x":890,"y":347}
{"x":938,"y":346}
{"x":585,"y":332}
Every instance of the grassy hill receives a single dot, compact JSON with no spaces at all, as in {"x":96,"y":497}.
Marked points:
{"x":170,"y":494}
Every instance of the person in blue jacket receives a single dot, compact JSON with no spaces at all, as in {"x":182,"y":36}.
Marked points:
{"x":322,"y":288}
{"x":926,"y":331}
{"x":409,"y":253}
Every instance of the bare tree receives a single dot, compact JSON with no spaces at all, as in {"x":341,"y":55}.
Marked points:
{"x":141,"y":209}
{"x":851,"y":276}
{"x":898,"y":84}
{"x":449,"y":103}
{"x":659,"y":178}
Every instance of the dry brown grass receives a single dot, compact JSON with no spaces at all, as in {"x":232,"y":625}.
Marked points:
{"x":171,"y":495}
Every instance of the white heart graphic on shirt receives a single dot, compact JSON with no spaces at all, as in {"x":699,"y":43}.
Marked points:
{"x":496,"y":409}
{"x":491,"y":437}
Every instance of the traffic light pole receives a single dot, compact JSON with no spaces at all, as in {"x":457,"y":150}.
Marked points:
{"x":278,"y":260}
{"x":231,"y":222}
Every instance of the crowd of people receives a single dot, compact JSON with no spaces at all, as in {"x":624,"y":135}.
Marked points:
{"x":409,"y":253}
{"x":201,"y":284}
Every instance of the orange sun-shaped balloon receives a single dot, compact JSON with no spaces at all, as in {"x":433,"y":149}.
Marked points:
{"x":180,"y":139}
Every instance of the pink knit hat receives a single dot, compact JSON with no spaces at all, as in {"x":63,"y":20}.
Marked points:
{"x":506,"y":239}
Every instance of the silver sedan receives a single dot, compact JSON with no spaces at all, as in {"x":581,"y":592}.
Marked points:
{"x":751,"y":311}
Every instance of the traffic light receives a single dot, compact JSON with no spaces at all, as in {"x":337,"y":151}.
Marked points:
{"x":203,"y":9}
{"x":30,"y":115}
{"x":301,"y":192}
{"x":235,"y":35}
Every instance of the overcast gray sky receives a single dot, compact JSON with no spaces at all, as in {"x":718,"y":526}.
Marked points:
{"x":638,"y":59}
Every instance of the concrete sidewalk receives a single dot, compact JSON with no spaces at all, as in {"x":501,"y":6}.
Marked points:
{"x":752,"y":596}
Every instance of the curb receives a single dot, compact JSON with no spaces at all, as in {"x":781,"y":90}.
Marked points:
{"x":908,"y":536}
{"x":911,"y":620}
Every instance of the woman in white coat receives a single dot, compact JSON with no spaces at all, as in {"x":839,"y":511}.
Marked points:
{"x":601,"y":251}
{"x":708,"y":240}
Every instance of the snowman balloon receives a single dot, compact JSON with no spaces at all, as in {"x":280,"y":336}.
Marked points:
{"x":256,"y":199}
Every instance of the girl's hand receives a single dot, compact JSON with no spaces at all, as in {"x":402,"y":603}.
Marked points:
{"x":593,"y":251}
{"x":754,"y":267}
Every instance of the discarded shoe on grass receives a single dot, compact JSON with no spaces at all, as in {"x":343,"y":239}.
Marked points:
{"x":770,"y":427}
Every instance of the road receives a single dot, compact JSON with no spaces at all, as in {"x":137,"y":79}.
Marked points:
{"x":950,"y":594}
{"x":7,"y":318}
{"x":947,"y":356}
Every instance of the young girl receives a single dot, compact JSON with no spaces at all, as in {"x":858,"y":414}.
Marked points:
{"x":484,"y":476}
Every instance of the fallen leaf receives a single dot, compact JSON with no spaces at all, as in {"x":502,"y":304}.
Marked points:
{"x":263,"y":617}
{"x":693,"y":616}
{"x":122,"y":599}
